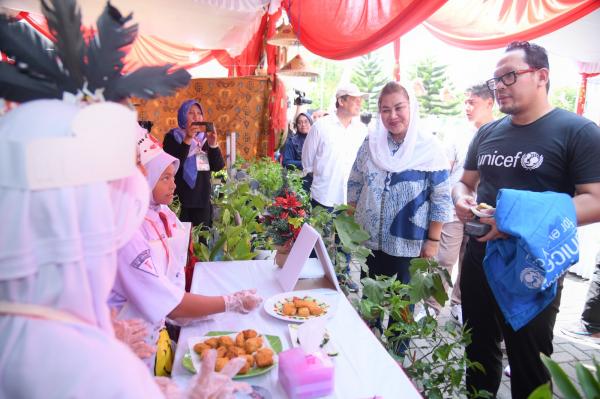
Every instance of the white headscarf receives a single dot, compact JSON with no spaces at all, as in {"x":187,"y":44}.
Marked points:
{"x":419,"y":151}
{"x":57,"y":246}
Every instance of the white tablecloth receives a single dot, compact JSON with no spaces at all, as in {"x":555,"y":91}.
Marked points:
{"x":363,"y":369}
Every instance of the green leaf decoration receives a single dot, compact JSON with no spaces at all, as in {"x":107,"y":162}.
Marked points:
{"x":589,"y":385}
{"x":560,"y":378}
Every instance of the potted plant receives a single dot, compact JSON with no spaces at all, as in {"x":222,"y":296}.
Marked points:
{"x":283,"y":220}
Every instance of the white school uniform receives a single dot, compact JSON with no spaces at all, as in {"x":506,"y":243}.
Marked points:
{"x":151,"y":273}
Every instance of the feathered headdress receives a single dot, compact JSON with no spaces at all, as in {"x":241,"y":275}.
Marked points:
{"x":70,"y":65}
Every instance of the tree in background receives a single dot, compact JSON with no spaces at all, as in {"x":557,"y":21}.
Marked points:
{"x":436,"y":94}
{"x":369,"y":78}
{"x":564,"y":97}
{"x":322,"y":90}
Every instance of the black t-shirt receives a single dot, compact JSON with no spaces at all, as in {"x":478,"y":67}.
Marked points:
{"x":554,"y":153}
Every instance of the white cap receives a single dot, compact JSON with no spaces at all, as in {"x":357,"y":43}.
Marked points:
{"x":147,"y":147}
{"x":350,"y":89}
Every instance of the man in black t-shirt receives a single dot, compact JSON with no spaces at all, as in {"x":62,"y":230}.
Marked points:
{"x":537,"y":148}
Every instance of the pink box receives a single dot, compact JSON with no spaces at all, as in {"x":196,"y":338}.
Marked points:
{"x":305,"y":376}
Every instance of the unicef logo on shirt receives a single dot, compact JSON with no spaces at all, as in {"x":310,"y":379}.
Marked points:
{"x":532,"y":160}
{"x":532,"y":278}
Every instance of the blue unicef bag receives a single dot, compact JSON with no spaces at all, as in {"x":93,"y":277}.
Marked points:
{"x":522,"y":271}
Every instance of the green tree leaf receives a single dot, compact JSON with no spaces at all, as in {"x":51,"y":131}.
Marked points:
{"x":590,"y":386}
{"x":560,"y":378}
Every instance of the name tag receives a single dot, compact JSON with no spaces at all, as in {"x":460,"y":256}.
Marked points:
{"x":202,"y":161}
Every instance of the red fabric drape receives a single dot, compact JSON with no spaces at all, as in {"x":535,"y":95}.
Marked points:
{"x":149,"y":50}
{"x":245,"y":64}
{"x":344,"y":29}
{"x":397,"y":60}
{"x":277,"y":112}
{"x":583,"y":90}
{"x":483,"y":25}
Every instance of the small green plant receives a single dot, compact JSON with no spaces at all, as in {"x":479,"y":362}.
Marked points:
{"x":433,"y":356}
{"x":343,"y":238}
{"x":236,"y":227}
{"x":268,"y":174}
{"x":175,"y":206}
{"x":588,"y":377}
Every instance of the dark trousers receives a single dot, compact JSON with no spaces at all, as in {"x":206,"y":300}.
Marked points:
{"x":382,"y":264}
{"x":591,"y":310}
{"x":197,"y":216}
{"x":482,"y":315}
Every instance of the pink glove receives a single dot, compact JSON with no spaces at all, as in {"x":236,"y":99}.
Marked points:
{"x":242,"y":301}
{"x":211,"y":384}
{"x":133,"y":333}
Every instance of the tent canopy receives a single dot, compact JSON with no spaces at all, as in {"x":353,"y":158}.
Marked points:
{"x":191,"y":32}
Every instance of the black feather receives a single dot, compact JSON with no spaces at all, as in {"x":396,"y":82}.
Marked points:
{"x":148,"y":82}
{"x":19,"y":87}
{"x":26,"y":47}
{"x":105,"y":52}
{"x":64,"y":22}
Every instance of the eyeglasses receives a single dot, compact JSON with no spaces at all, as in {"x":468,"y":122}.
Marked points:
{"x":508,"y":79}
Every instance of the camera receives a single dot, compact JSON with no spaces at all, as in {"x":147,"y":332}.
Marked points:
{"x":210,"y":127}
{"x":301,"y":98}
{"x":366,"y":117}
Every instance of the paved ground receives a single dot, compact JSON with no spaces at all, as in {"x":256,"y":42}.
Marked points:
{"x":567,"y":350}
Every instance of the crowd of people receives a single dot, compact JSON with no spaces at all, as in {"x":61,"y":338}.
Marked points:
{"x":414,"y":197}
{"x":92,"y":280}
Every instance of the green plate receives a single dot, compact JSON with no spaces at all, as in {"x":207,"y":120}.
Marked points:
{"x":274,"y":342}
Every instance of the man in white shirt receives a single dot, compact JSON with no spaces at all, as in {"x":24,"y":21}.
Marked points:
{"x":331,"y":146}
{"x":329,"y":153}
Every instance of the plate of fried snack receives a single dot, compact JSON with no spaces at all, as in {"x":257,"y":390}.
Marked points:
{"x":483,"y":210}
{"x":260,"y":351}
{"x":297,"y":306}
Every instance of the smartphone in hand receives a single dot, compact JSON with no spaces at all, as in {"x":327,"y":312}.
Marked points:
{"x":210,"y":127}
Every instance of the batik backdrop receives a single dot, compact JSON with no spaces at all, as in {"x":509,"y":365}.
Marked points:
{"x":233,"y":104}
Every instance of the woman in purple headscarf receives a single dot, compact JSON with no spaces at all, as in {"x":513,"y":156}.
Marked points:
{"x":199,"y":154}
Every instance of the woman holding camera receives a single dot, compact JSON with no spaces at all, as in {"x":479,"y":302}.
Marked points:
{"x":195,"y":145}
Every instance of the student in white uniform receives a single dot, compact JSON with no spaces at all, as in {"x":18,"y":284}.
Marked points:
{"x":150,"y":278}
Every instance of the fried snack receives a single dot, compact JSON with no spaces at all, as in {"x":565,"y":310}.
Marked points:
{"x":200,"y":347}
{"x":248,"y":365}
{"x":204,"y":352}
{"x":264,"y":357}
{"x":225,"y":341}
{"x":483,"y":206}
{"x":221,"y":362}
{"x":302,"y":303}
{"x":304,"y":312}
{"x":239,"y":339}
{"x":289,"y":309}
{"x":221,"y":351}
{"x":252,"y":344}
{"x":315,"y":310}
{"x":212,"y":342}
{"x":250,"y":333}
{"x":235,"y":351}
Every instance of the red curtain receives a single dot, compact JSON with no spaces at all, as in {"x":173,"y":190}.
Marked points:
{"x":483,"y":25}
{"x":349,"y":28}
{"x":150,"y":50}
